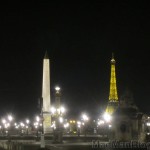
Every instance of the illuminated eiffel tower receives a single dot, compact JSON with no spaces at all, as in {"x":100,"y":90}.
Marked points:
{"x":113,"y":96}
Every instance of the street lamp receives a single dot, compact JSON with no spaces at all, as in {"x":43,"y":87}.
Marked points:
{"x":22,"y":125}
{"x":57,"y":113}
{"x":57,"y":88}
{"x":37,"y":118}
{"x":3,"y":121}
{"x":62,"y":109}
{"x":53,"y":110}
{"x":79,"y":127}
{"x":61,"y":119}
{"x":10,"y":118}
{"x":36,"y":124}
{"x":107,"y":117}
{"x":85,"y":119}
{"x":27,"y":126}
{"x":100,"y":122}
{"x":27,"y":121}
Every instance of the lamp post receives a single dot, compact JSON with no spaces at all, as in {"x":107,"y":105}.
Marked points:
{"x":57,"y":113}
{"x":36,"y":124}
{"x":4,"y":122}
{"x":85,"y":118}
{"x":41,"y":109}
{"x":57,"y":96}
{"x":78,"y":128}
{"x":42,"y":127}
{"x":22,"y":125}
{"x":27,"y":126}
{"x":108,"y":119}
{"x":10,"y":119}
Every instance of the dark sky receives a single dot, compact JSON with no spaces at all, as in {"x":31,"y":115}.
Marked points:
{"x":80,"y":39}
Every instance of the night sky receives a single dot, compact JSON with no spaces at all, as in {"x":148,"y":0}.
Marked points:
{"x":80,"y":39}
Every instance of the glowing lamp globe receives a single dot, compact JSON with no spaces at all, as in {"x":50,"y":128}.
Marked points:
{"x":107,"y":117}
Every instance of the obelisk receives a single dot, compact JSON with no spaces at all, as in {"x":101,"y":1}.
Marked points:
{"x":46,"y":95}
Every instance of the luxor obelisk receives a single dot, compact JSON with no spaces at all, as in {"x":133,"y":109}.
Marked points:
{"x":46,"y":95}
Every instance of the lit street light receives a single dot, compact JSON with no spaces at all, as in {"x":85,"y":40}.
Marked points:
{"x":85,"y":119}
{"x":37,"y":118}
{"x":27,"y":126}
{"x":3,"y":121}
{"x":53,"y":110}
{"x":27,"y":121}
{"x":107,"y":117}
{"x":57,"y":88}
{"x":57,"y":114}
{"x":62,"y":110}
{"x":10,"y":118}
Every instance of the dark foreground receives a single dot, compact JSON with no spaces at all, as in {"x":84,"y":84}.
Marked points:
{"x":67,"y":146}
{"x":69,"y":143}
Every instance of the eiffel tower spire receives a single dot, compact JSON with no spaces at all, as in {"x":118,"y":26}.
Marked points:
{"x":113,"y":96}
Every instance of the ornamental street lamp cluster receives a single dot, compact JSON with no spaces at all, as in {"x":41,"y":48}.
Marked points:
{"x":57,"y":111}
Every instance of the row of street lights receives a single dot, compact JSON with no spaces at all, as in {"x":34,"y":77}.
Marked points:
{"x":9,"y":123}
{"x":57,"y":113}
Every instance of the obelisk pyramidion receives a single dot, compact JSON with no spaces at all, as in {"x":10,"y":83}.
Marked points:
{"x":46,"y":95}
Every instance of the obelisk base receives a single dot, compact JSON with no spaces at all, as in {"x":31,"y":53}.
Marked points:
{"x":47,"y":123}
